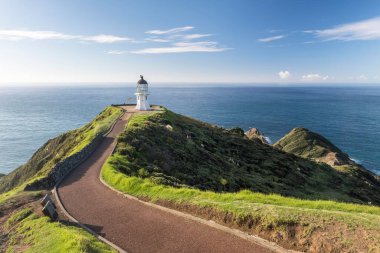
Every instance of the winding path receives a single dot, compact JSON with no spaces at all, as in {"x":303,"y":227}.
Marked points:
{"x":132,"y":225}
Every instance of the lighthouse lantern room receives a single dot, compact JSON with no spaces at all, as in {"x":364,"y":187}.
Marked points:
{"x":142,"y":93}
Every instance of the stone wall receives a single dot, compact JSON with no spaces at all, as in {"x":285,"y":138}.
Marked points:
{"x":64,"y":167}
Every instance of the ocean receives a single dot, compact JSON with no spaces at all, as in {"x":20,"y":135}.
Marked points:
{"x":348,"y":116}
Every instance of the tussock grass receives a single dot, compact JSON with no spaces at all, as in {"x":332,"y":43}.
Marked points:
{"x":30,"y":233}
{"x":146,"y":188}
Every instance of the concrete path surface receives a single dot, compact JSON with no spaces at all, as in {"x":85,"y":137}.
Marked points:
{"x":132,"y":225}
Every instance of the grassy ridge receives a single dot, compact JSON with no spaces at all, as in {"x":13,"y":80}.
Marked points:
{"x":156,"y":150}
{"x":295,"y":220}
{"x":147,"y":188}
{"x":29,"y":233}
{"x":175,"y":150}
{"x":305,"y":143}
{"x":57,"y":149}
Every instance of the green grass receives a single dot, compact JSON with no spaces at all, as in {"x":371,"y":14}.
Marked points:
{"x":146,"y":188}
{"x":175,"y":150}
{"x":305,"y":143}
{"x":26,"y":231}
{"x":268,"y":213}
{"x":190,"y":165}
{"x":30,"y":233}
{"x":99,"y":125}
{"x":57,"y":149}
{"x":17,"y":193}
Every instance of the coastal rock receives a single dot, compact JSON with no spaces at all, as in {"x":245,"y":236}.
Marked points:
{"x":254,"y":133}
{"x":236,"y":130}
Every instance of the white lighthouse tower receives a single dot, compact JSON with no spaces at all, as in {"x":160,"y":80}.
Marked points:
{"x":142,"y":95}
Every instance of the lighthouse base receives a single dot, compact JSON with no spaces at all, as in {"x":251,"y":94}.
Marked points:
{"x":142,"y":103}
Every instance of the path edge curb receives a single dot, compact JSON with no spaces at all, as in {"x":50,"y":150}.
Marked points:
{"x":253,"y":238}
{"x":71,"y":218}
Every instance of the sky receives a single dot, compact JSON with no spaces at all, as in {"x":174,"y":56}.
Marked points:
{"x":181,"y":41}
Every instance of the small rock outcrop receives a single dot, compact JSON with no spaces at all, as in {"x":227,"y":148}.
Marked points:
{"x":254,"y":133}
{"x":236,"y":130}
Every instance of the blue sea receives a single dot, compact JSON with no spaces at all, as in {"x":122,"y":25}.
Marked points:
{"x":348,"y":116}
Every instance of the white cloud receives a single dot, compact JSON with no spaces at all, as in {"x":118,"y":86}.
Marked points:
{"x":195,"y":36}
{"x":184,"y":47}
{"x":157,"y":40}
{"x":314,"y":77}
{"x":284,"y":74}
{"x":118,"y":52}
{"x":269,"y":39}
{"x":368,"y":29}
{"x":362,"y":78}
{"x":183,"y":40}
{"x":170,"y":31}
{"x":106,"y":38}
{"x":34,"y":35}
{"x":53,"y":35}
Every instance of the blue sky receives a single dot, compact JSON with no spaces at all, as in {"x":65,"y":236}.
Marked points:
{"x":49,"y":41}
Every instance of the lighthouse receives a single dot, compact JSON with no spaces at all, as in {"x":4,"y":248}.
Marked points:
{"x":142,"y":95}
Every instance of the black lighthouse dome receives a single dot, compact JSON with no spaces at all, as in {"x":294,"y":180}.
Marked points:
{"x":142,"y":80}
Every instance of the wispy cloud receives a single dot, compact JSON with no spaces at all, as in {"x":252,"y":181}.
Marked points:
{"x":34,"y":35}
{"x":269,"y":39}
{"x":314,"y":77}
{"x":284,"y":74}
{"x":118,"y":52}
{"x":368,"y":29}
{"x":106,"y":38}
{"x":170,"y":31}
{"x":53,"y":35}
{"x":184,"y":47}
{"x":158,"y":40}
{"x":195,"y":36}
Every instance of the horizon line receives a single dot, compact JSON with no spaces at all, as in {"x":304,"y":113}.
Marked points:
{"x":187,"y":84}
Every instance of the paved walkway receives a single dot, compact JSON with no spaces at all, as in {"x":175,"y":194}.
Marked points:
{"x":132,"y":225}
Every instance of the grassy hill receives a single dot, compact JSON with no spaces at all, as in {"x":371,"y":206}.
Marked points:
{"x":175,"y":150}
{"x":305,"y":143}
{"x":22,"y":225}
{"x":220,"y":175}
{"x":308,"y":144}
{"x":213,"y":173}
{"x":57,"y":149}
{"x":54,"y":236}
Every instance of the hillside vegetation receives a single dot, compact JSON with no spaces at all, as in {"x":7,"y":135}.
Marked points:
{"x":220,"y":175}
{"x":305,"y":143}
{"x":57,"y":149}
{"x":22,"y":225}
{"x":308,"y":144}
{"x":25,"y":231}
{"x":175,"y":150}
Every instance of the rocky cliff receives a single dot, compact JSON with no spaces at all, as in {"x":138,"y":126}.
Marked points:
{"x":254,"y":133}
